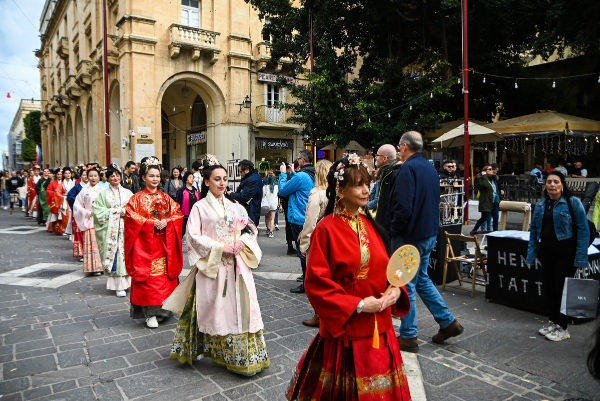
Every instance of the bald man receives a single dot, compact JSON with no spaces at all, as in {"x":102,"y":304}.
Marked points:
{"x":388,"y":165}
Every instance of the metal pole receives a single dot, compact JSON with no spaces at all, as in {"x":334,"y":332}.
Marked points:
{"x":312,"y":70}
{"x":129,"y":138}
{"x":105,"y":66}
{"x":465,"y":78}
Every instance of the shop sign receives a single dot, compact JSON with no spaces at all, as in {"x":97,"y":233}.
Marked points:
{"x":195,"y":139}
{"x":274,"y":143}
{"x":145,"y":141}
{"x":263,"y":76}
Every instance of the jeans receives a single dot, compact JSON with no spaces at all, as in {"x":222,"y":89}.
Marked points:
{"x":296,"y":229}
{"x":423,"y":286}
{"x":5,"y":196}
{"x":483,"y":219}
{"x":495,"y":216}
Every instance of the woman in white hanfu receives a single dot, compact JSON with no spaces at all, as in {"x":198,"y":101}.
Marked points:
{"x":221,"y":319}
{"x":109,"y":223}
{"x":84,"y":216}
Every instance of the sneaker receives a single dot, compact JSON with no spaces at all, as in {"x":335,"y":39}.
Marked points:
{"x":547,"y":329}
{"x":271,"y":235}
{"x":276,"y":227}
{"x":152,"y":322}
{"x":81,"y":260}
{"x":121,"y":294}
{"x":558,"y":334}
{"x":5,"y":207}
{"x":300,"y":279}
{"x":98,"y":274}
{"x":268,"y":233}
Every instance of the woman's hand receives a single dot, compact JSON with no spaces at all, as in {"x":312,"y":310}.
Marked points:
{"x":372,"y":305}
{"x":228,"y":249}
{"x":122,"y":212}
{"x":238,"y":246}
{"x":389,"y":298}
{"x":160,"y":224}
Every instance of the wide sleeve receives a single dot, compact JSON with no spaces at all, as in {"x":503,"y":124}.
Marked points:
{"x":402,"y":305}
{"x":50,"y":190}
{"x":82,"y":216}
{"x":72,"y":195}
{"x":334,"y":306}
{"x":251,"y":254}
{"x":138,"y":230}
{"x":102,"y":220}
{"x":310,"y":220}
{"x":203,"y":252}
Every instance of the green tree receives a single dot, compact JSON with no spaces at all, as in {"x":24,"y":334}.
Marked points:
{"x":33,"y":130}
{"x":28,"y":150}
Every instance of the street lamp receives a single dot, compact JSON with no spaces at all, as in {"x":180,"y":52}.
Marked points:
{"x":246,"y":103}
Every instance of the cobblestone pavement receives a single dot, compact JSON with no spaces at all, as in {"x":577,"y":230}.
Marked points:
{"x":73,"y":340}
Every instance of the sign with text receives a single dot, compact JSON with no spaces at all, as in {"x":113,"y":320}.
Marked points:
{"x":195,"y":139}
{"x":143,"y":150}
{"x":274,"y":143}
{"x":264,"y":77}
{"x":145,"y":141}
{"x":514,"y":283}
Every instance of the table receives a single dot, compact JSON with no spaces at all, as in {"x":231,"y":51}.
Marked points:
{"x":438,"y":255}
{"x":512,"y":282}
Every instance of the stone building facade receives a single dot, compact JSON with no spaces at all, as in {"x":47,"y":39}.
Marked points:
{"x":179,"y":72}
{"x":17,"y":134}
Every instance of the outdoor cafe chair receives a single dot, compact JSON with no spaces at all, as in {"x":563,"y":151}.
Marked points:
{"x":478,"y":263}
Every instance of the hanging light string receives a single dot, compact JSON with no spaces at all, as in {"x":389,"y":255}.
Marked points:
{"x":485,"y":75}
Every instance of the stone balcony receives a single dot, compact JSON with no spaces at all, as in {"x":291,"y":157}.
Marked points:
{"x":264,"y":57}
{"x":83,"y":78}
{"x":63,"y":48}
{"x":113,"y":52}
{"x":273,"y":117}
{"x":197,"y":40}
{"x":73,"y":90}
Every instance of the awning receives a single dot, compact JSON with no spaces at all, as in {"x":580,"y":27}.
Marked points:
{"x":477,"y":134}
{"x":545,"y":121}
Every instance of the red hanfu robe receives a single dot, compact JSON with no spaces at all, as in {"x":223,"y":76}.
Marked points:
{"x":50,"y":191}
{"x":32,"y":196}
{"x":154,"y":259}
{"x":347,"y":262}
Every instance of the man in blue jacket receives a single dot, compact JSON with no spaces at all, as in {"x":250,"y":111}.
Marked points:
{"x":249,"y":192}
{"x":414,"y":218}
{"x":298,"y":189}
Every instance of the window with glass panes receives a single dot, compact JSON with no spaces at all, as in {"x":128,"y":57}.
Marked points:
{"x":190,"y":13}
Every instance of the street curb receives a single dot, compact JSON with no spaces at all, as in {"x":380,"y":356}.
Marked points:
{"x":412,"y":369}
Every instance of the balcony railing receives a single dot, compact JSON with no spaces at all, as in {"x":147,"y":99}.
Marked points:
{"x":198,"y":40}
{"x":270,"y":114}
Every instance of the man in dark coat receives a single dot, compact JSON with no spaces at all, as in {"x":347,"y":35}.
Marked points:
{"x":448,"y":170}
{"x":388,"y":165}
{"x":566,"y":161}
{"x":414,"y":215}
{"x":249,"y":192}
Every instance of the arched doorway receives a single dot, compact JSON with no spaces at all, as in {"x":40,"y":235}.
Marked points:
{"x":54,"y":153}
{"x":80,"y":137}
{"x":62,"y":139}
{"x":115,"y":125}
{"x":91,"y":133}
{"x":71,"y":145}
{"x":190,"y":103}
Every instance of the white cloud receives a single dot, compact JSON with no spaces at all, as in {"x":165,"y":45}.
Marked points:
{"x":19,"y":75}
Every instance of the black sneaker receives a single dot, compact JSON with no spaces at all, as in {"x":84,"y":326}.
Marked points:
{"x":298,"y":290}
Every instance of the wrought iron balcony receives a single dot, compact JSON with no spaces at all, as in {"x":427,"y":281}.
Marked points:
{"x":273,"y":117}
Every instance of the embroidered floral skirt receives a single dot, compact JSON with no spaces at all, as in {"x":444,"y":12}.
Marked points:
{"x":245,"y":353}
{"x":77,"y":241}
{"x":329,"y":370}
{"x":91,"y":255}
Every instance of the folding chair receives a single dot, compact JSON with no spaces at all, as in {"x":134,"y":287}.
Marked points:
{"x":478,"y":263}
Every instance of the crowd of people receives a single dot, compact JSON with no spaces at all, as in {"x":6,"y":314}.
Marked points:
{"x":342,"y":222}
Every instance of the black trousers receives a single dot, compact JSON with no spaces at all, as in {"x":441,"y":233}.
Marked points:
{"x":185,"y":219}
{"x":288,"y":228}
{"x":557,"y":260}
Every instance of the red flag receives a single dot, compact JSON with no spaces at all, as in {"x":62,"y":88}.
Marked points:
{"x":8,"y":95}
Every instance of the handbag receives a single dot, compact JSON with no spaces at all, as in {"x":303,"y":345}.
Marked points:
{"x":579,"y":298}
{"x":264,"y":206}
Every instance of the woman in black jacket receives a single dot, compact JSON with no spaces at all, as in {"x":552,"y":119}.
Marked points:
{"x":173,"y":184}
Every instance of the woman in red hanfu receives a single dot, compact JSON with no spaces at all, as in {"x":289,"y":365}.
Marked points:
{"x":53,"y":223}
{"x":355,"y":356}
{"x":153,"y":253}
{"x":32,"y":199}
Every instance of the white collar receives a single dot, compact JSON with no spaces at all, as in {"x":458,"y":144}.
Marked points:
{"x":216,"y":205}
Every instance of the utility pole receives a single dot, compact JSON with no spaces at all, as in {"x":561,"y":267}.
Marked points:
{"x":312,"y":70}
{"x":465,"y":77}
{"x":105,"y":67}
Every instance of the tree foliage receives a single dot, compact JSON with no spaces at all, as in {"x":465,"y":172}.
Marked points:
{"x":375,"y":56}
{"x":28,"y":150}
{"x":33,"y":130}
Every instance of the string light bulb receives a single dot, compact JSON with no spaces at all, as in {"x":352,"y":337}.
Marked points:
{"x":335,"y":123}
{"x":599,"y":79}
{"x":431,"y":95}
{"x":411,"y":106}
{"x":389,"y":115}
{"x":352,"y":123}
{"x":173,"y":108}
{"x":554,"y":84}
{"x":369,"y":119}
{"x":516,"y":85}
{"x":484,"y":79}
{"x":459,"y":80}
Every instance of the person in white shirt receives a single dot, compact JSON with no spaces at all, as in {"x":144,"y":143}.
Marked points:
{"x":579,"y":171}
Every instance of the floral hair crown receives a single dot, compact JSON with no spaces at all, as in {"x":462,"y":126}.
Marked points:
{"x":151,"y":161}
{"x":210,"y":160}
{"x":353,"y":160}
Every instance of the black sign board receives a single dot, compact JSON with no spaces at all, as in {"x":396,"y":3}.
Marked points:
{"x":512,"y":282}
{"x":438,"y":255}
{"x":274,"y":143}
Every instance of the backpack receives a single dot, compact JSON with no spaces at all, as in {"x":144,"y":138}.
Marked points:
{"x":591,"y":225}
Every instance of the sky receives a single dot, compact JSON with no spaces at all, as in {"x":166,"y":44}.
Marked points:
{"x":19,"y":75}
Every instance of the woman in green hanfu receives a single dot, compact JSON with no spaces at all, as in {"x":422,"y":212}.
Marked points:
{"x":221,"y":319}
{"x":109,"y":223}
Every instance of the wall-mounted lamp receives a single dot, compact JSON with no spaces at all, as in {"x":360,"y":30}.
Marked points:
{"x":185,"y":91}
{"x":246,"y":103}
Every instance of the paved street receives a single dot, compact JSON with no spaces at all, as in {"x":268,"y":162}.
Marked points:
{"x":64,"y":337}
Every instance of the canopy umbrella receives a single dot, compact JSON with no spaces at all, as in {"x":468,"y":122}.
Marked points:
{"x":331,"y":146}
{"x":352,"y":145}
{"x":545,"y":121}
{"x":477,"y":134}
{"x":445,"y":127}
